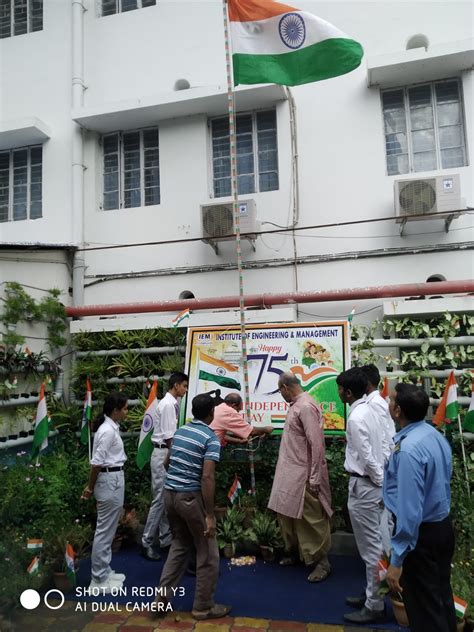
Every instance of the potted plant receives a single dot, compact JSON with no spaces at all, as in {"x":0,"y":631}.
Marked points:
{"x":230,"y":531}
{"x":266,"y":533}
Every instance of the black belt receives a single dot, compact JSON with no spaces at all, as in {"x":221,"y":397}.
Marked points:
{"x":117,"y":468}
{"x":160,"y":445}
{"x":358,"y":475}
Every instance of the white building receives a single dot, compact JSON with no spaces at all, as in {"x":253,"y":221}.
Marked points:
{"x":110,"y":133}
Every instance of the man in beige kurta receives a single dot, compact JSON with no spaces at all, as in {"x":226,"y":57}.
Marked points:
{"x":300,"y":495}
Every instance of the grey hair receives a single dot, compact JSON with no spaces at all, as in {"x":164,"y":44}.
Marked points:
{"x":288,"y":379}
{"x":233,"y":399}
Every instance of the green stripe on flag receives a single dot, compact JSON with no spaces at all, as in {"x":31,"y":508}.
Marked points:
{"x":40,"y":437}
{"x":222,"y":380}
{"x":329,"y":58}
{"x":145,"y":450}
{"x":452,"y":410}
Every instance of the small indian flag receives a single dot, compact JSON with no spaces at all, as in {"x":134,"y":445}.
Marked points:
{"x":214,"y":370}
{"x":277,"y":43}
{"x":382,"y":567}
{"x":177,"y":320}
{"x":145,"y":446}
{"x":34,"y":566}
{"x":468,"y":424}
{"x":40,"y":439}
{"x":234,"y":491}
{"x":69,"y":564}
{"x":34,"y":544}
{"x":86,"y":414}
{"x":385,"y":389}
{"x":448,"y":408}
{"x":460,"y":606}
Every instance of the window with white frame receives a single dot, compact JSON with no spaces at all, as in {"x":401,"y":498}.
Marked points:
{"x":21,"y":183}
{"x":424,"y":127}
{"x":131,"y":169}
{"x":109,"y":7}
{"x":257,"y":153}
{"x":20,"y":16}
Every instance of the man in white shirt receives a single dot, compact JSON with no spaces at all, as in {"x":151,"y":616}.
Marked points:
{"x":164,"y":429}
{"x":380,"y":407}
{"x":365,"y":464}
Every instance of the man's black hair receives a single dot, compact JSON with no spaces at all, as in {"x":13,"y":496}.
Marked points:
{"x":372,"y":373}
{"x":353,"y":379}
{"x":177,"y":378}
{"x":233,"y":398}
{"x":412,"y":400}
{"x":202,"y":406}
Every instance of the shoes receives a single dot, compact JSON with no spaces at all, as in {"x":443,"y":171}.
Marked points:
{"x":356,"y":602}
{"x":365,"y":615}
{"x":216,"y":612}
{"x":320,"y":572}
{"x":288,"y":560}
{"x":117,"y":577}
{"x":149,"y":553}
{"x":104,"y":588}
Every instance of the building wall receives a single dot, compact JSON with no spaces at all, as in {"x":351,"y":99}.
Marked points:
{"x":342,"y":169}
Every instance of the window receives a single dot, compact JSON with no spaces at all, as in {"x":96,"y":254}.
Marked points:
{"x":21,"y":176}
{"x":257,"y":154}
{"x":109,"y":7}
{"x":131,"y":169}
{"x":424,"y":127}
{"x":20,"y":16}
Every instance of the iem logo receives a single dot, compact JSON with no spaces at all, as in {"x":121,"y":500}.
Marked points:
{"x":243,"y":209}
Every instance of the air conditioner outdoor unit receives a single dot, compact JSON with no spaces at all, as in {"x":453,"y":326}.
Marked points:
{"x":415,"y":199}
{"x":218,"y":221}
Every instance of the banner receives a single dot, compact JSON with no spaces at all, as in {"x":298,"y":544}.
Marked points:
{"x":315,"y":352}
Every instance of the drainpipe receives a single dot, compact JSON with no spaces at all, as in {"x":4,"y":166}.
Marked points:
{"x":267,"y":300}
{"x":77,"y":189}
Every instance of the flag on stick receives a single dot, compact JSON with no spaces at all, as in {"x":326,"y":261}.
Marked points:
{"x":277,"y":43}
{"x":460,"y":606}
{"x":40,"y":439}
{"x":34,"y":544}
{"x":234,"y":490}
{"x":86,"y":414}
{"x":177,"y":320}
{"x":69,"y":564}
{"x":468,"y":424}
{"x":34,"y":566}
{"x":145,"y":446}
{"x":448,"y":408}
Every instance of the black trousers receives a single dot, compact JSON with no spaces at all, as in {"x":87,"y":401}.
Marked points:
{"x":426,"y":579}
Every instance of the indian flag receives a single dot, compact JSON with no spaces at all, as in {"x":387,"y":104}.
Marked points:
{"x":177,"y":320}
{"x":69,"y":564}
{"x":277,"y":43}
{"x":145,"y":446}
{"x":448,"y":408}
{"x":86,"y":414}
{"x":218,"y":371}
{"x":460,"y":606}
{"x":234,"y":490}
{"x":40,"y":439}
{"x":468,"y":424}
{"x":34,"y":544}
{"x":34,"y":566}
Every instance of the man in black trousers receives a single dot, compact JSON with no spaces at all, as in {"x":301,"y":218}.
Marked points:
{"x":417,"y":491}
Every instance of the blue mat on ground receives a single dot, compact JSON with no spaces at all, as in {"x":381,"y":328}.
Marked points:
{"x":264,"y":590}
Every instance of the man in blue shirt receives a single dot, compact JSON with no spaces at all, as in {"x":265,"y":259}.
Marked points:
{"x":189,"y":501}
{"x":417,"y":491}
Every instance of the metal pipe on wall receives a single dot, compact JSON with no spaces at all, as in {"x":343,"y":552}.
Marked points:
{"x":267,"y":300}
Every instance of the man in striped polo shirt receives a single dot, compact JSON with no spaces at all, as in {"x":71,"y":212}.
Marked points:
{"x":189,"y":501}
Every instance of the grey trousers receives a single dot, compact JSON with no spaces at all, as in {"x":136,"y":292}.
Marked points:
{"x":187,"y":519}
{"x":365,"y":509}
{"x":109,"y":494}
{"x":157,"y":521}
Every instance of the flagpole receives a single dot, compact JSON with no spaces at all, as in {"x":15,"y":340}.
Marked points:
{"x":466,"y":474}
{"x":235,"y":209}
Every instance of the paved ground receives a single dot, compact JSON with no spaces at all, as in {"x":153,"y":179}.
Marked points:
{"x":67,"y":619}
